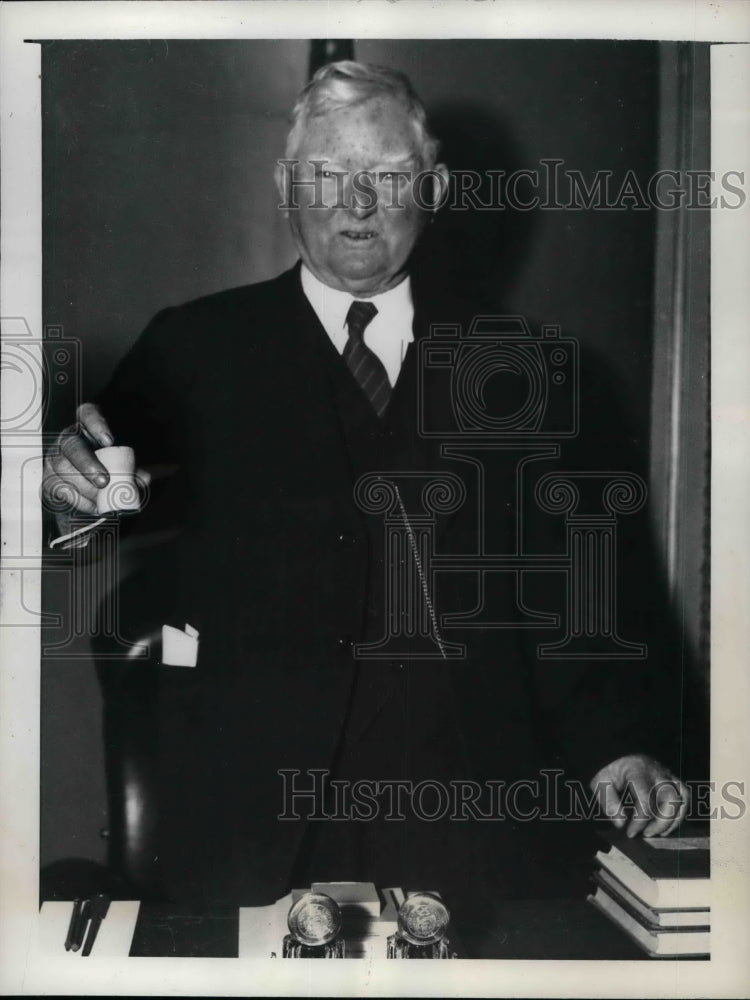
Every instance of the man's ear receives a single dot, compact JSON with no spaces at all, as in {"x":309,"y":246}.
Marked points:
{"x":280,"y":176}
{"x":440,"y":183}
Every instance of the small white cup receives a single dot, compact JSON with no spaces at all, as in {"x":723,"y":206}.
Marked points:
{"x":121,"y":493}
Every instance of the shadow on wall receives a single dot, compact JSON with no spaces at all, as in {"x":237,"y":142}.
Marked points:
{"x":482,"y":251}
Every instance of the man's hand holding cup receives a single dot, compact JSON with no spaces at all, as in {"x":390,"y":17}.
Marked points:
{"x":87,"y":475}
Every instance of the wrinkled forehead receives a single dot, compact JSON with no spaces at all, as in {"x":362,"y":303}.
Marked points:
{"x":377,"y":128}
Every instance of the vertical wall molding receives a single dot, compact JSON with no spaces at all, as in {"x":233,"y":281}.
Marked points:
{"x":680,"y":433}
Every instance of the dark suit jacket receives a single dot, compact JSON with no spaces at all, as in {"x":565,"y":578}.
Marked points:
{"x":278,"y":568}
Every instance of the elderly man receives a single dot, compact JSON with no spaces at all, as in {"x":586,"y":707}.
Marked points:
{"x":272,"y":401}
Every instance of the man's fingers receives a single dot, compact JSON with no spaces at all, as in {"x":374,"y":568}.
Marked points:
{"x":662,"y":808}
{"x":94,"y":426}
{"x":609,"y":802}
{"x":665,"y":803}
{"x":639,"y":790}
{"x":684,"y":793}
{"x":61,"y":468}
{"x":79,"y":454}
{"x":62,"y":495}
{"x":143,"y":478}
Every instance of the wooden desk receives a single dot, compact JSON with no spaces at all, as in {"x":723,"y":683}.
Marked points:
{"x":518,"y":929}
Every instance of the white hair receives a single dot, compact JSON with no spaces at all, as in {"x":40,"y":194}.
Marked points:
{"x":345,"y":83}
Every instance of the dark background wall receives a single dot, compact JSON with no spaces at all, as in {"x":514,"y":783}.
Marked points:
{"x":158,"y":160}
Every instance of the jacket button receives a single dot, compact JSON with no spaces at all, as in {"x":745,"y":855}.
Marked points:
{"x":348,"y":541}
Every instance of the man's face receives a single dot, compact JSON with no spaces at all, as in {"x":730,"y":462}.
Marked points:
{"x":358,"y":242}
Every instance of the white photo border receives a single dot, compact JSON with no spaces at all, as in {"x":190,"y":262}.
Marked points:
{"x":727,"y":973}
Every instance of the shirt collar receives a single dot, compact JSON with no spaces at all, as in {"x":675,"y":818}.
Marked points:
{"x":395,"y":306}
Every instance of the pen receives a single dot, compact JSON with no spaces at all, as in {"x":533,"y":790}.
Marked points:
{"x":80,"y":926}
{"x":73,"y":925}
{"x":98,"y":908}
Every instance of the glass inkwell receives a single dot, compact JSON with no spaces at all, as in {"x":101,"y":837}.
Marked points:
{"x":314,"y":923}
{"x":423,"y":920}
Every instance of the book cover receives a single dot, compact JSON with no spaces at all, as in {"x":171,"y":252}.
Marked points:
{"x":658,"y":942}
{"x":663,"y":872}
{"x":685,"y":856}
{"x":660,"y":918}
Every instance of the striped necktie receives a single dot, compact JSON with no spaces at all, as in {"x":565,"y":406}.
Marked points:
{"x":364,"y":364}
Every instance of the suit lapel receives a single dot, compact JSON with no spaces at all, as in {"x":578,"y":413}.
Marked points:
{"x":416,"y":407}
{"x":335,"y":404}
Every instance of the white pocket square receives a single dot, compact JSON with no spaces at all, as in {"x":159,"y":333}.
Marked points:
{"x":178,"y":648}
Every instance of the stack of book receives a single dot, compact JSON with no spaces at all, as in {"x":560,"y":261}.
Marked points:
{"x":658,"y":891}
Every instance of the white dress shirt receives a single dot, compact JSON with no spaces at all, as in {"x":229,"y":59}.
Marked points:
{"x":388,"y":334}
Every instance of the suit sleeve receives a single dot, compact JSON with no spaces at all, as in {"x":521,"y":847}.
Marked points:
{"x":145,"y":404}
{"x":141,"y":402}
